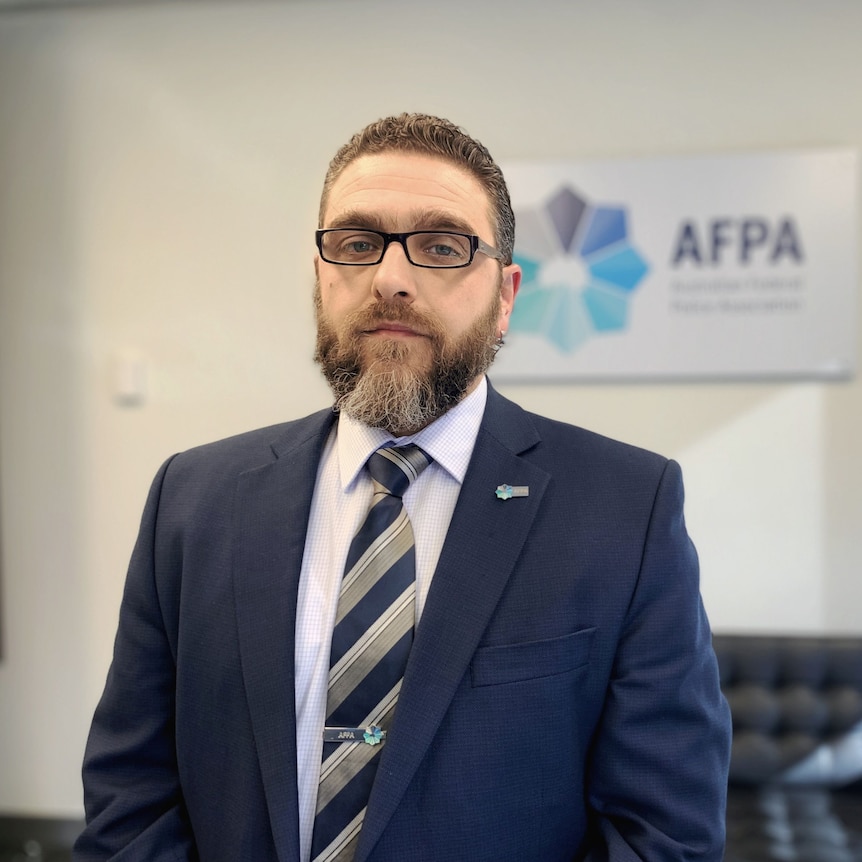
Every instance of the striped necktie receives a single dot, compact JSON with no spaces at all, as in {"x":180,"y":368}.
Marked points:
{"x":371,"y":640}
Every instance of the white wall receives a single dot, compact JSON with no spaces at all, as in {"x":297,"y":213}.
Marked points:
{"x":159,"y":171}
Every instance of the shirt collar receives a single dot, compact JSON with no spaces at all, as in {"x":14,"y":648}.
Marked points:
{"x":449,"y":440}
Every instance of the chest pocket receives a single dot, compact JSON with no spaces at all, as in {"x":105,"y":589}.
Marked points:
{"x":496,"y":665}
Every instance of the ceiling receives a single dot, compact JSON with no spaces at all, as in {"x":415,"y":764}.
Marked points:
{"x":27,"y":5}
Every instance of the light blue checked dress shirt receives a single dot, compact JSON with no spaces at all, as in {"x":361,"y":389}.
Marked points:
{"x":341,"y":499}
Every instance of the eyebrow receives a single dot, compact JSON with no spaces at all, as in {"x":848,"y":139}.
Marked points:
{"x":424,"y":219}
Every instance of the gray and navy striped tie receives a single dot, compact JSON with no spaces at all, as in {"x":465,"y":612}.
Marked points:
{"x":370,"y":643}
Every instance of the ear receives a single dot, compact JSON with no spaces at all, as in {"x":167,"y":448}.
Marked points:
{"x":508,"y":290}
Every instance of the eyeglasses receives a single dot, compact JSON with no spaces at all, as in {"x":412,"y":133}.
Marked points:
{"x":432,"y":249}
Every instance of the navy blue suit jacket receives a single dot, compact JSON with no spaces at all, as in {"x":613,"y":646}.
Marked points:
{"x":561,"y":700}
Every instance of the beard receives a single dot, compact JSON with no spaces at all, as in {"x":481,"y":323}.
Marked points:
{"x":401,"y":385}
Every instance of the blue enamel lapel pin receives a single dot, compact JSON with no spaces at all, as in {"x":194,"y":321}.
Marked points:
{"x":506,"y":492}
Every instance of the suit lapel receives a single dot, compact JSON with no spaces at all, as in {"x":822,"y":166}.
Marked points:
{"x":485,"y":539}
{"x":272,"y":509}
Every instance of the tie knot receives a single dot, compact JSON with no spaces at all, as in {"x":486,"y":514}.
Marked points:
{"x":395,"y":467}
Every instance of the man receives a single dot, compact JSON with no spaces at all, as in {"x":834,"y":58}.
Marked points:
{"x":558,"y":698}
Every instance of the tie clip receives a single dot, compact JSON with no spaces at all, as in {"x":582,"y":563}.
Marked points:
{"x":372,"y":735}
{"x":506,"y":492}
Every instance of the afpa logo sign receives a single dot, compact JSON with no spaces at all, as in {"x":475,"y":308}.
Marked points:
{"x":579,"y":270}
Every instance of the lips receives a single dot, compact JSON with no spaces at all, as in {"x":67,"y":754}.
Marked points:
{"x":389,"y":327}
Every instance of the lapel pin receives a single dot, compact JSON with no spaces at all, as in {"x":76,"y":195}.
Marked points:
{"x":506,"y":492}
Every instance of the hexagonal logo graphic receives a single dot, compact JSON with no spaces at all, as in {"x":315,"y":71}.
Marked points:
{"x":579,"y":270}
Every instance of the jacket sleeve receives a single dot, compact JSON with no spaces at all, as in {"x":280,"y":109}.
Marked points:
{"x":132,"y":794}
{"x":657,"y":778}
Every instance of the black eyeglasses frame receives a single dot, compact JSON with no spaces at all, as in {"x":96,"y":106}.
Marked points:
{"x":476,"y":244}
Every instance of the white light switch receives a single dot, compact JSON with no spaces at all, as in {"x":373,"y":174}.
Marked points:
{"x":129,"y":378}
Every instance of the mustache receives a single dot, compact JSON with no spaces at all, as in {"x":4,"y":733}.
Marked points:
{"x":383,"y":311}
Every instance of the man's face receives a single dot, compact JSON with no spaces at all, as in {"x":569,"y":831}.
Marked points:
{"x":400,"y":344}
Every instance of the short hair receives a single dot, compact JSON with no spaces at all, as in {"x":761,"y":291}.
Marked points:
{"x":433,"y":136}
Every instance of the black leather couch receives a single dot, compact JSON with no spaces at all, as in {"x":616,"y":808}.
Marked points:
{"x":795,"y":792}
{"x":37,"y":839}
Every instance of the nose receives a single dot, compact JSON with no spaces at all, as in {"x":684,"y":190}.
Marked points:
{"x":394,"y":276}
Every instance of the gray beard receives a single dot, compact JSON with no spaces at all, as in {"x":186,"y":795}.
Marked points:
{"x":384,"y":390}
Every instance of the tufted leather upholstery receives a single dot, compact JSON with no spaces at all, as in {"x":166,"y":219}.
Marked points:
{"x":796,"y":704}
{"x":792,"y":699}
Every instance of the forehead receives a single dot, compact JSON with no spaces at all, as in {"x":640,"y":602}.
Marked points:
{"x":399,"y":191}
